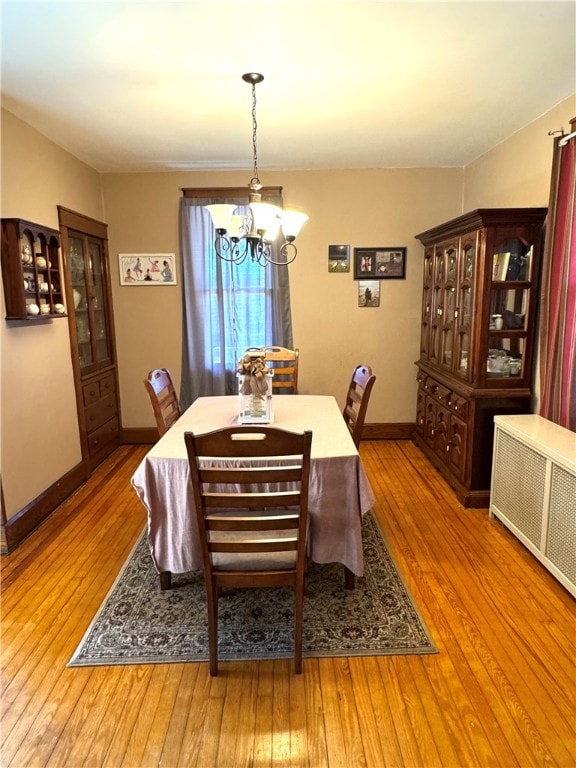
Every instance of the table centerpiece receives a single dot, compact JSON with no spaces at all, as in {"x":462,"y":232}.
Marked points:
{"x":254,"y":388}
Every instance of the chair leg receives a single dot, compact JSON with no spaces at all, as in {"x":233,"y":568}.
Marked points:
{"x":212,"y":595}
{"x":298,"y":622}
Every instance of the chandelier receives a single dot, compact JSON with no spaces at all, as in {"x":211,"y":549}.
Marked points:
{"x":238,"y":236}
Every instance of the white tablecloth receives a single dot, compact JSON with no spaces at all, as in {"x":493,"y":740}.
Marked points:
{"x":339,"y":494}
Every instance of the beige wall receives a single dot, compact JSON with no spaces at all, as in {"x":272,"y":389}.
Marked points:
{"x":361,"y":208}
{"x":39,"y":428}
{"x":517,"y":171}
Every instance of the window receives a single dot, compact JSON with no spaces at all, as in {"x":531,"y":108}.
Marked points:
{"x":226,"y":308}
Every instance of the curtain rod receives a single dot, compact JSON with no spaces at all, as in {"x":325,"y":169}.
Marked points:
{"x":565,"y":139}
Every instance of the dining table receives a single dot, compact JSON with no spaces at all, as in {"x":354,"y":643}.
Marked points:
{"x":338,"y":498}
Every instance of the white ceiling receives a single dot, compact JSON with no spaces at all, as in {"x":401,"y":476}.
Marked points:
{"x":136,"y":86}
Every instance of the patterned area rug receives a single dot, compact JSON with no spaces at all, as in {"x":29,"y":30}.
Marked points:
{"x":140,"y":624}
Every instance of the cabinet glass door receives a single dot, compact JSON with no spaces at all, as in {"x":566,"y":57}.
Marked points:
{"x":468,"y":262}
{"x":88,"y":291}
{"x":80,"y":293}
{"x":507,"y":339}
{"x":465,"y":305}
{"x":451,"y":264}
{"x":449,"y":313}
{"x":509,"y":309}
{"x":464,"y":309}
{"x":448,"y":326}
{"x":437,"y":310}
{"x":97,"y":305}
{"x":427,"y":297}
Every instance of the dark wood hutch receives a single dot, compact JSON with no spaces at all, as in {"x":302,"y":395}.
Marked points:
{"x":479,"y":308}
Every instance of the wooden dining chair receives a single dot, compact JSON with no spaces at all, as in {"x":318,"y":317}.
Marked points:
{"x":164,"y":400}
{"x":357,"y":400}
{"x":284,"y":363}
{"x":252,"y":516}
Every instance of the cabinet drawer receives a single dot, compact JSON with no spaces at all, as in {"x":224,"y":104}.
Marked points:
{"x":438,"y":391}
{"x":106,"y":434}
{"x":443,"y":394}
{"x":91,"y":392}
{"x":107,"y":385}
{"x":100,"y":412}
{"x":459,"y":405}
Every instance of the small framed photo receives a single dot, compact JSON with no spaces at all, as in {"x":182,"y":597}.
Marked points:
{"x":147,"y":268}
{"x":368,"y":293}
{"x":379,"y":263}
{"x":338,"y":258}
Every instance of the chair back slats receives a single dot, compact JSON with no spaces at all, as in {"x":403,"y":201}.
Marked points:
{"x":163,"y":397}
{"x":284,"y":363}
{"x":254,"y":500}
{"x":233,"y":475}
{"x":270,"y":522}
{"x":357,"y":399}
{"x":252,"y":518}
{"x":257,"y":545}
{"x":356,"y":394}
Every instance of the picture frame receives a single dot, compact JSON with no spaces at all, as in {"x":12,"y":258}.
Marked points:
{"x":380,"y":263}
{"x":368,"y":293}
{"x":147,"y":269}
{"x":338,"y":258}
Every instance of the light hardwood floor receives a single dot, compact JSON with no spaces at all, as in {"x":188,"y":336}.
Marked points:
{"x":500,"y":692}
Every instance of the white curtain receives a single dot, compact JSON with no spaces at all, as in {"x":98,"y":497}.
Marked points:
{"x":226,"y":308}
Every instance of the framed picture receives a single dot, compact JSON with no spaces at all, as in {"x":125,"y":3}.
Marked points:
{"x":368,"y":293}
{"x":147,"y":268}
{"x":338,"y":258}
{"x":379,"y":263}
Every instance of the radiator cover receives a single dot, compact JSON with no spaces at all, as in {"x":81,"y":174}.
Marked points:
{"x":533,"y":490}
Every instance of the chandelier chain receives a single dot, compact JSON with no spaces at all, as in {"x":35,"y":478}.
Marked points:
{"x":255,"y":179}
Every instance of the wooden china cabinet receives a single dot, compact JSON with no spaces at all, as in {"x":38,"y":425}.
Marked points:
{"x":479,"y":306}
{"x":89,"y":303}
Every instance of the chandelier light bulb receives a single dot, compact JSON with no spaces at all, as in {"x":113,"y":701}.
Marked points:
{"x":292,"y":223}
{"x":222,"y":215}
